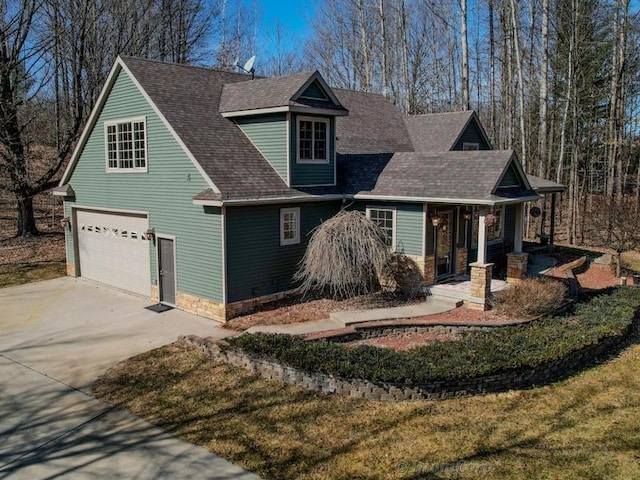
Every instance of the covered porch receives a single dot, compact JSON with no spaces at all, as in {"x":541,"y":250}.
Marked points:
{"x":462,"y":242}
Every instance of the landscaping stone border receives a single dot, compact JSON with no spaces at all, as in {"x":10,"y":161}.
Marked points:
{"x":523,"y":378}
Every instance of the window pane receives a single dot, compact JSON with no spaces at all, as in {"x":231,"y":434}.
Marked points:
{"x":306,"y":140}
{"x":384,"y":219}
{"x":112,"y":146}
{"x":139,"y":145}
{"x":320,"y":141}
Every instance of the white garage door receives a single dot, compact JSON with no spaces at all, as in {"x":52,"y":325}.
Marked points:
{"x":113,"y":250}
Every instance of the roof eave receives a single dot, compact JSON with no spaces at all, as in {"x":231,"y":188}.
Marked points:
{"x":269,"y":200}
{"x":93,"y":117}
{"x":452,"y":201}
{"x":285,"y":109}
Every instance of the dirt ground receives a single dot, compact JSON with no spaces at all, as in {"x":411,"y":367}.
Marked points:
{"x":48,"y":247}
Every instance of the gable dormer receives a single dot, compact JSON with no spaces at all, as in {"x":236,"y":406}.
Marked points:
{"x":291,"y":121}
{"x":472,"y":136}
{"x":512,"y":178}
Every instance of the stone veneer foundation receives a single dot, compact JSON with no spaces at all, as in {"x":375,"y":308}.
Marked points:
{"x":221,"y":312}
{"x":461,"y":261}
{"x":71,"y":269}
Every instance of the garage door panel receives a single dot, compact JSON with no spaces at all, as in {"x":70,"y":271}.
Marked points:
{"x":113,"y":250}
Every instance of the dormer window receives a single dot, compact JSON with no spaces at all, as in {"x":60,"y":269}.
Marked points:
{"x":313,"y":140}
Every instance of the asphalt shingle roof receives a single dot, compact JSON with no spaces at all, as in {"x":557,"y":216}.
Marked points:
{"x":373,"y":125}
{"x":261,"y":93}
{"x":543,"y":185}
{"x":436,"y":132}
{"x":375,"y":143}
{"x":454,"y":175}
{"x":188,"y":98}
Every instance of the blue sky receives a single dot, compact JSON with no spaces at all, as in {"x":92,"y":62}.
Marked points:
{"x":294,"y":16}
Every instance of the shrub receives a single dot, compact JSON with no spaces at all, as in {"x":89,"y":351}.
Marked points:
{"x":478,"y":353}
{"x":531,"y":297}
{"x":404,"y":276}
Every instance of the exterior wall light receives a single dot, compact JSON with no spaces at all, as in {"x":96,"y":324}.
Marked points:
{"x":65,"y":222}
{"x":150,"y":234}
{"x":466,"y":215}
{"x":436,"y":219}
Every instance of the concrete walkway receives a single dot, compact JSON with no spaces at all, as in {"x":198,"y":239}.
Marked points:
{"x":56,"y":337}
{"x":345,"y":318}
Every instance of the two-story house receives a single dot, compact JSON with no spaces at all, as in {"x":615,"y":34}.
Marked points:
{"x":199,"y":188}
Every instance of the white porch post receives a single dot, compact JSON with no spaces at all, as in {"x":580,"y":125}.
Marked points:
{"x":482,"y":235}
{"x":519,"y":231}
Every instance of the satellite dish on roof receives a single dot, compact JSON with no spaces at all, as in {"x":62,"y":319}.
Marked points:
{"x":248,"y":66}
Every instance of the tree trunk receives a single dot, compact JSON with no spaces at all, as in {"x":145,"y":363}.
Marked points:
{"x":26,"y":220}
{"x":544,"y":65}
{"x":466,"y":104}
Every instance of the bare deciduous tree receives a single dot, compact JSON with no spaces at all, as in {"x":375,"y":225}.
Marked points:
{"x":614,"y":224}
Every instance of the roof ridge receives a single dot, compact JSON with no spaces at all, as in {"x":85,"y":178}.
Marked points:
{"x":360,"y":92}
{"x":185,"y":65}
{"x":438,"y":113}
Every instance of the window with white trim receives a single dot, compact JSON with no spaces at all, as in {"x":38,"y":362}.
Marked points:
{"x":385,"y":218}
{"x":494,"y":231}
{"x":313,"y":140}
{"x":289,"y":226}
{"x":126,"y":143}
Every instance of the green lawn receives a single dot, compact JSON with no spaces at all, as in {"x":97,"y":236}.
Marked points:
{"x":19,"y":274}
{"x":586,"y":427}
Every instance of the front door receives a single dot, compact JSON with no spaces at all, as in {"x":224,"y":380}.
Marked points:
{"x":166,"y":273}
{"x":444,"y":244}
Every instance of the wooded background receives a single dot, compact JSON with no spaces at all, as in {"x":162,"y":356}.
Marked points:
{"x":556,"y":80}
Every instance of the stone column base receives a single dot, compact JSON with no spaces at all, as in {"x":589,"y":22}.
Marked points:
{"x":516,"y":266}
{"x":155,"y":293}
{"x":480,"y":285}
{"x":71,"y":269}
{"x":429,"y":270}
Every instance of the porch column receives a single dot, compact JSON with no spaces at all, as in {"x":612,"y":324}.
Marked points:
{"x":552,"y":229}
{"x":482,"y":235}
{"x":519,"y":231}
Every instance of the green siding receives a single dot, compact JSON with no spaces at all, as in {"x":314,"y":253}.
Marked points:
{"x":510,"y":178}
{"x":256,"y":262}
{"x":497,"y":251}
{"x":165,"y":192}
{"x":269,"y":134}
{"x":409,"y":224}
{"x":315,"y":91}
{"x":471,"y":135}
{"x":312,"y":173}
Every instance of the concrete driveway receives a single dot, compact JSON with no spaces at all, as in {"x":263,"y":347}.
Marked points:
{"x":56,"y":337}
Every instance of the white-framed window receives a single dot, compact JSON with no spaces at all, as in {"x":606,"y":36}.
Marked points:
{"x":289,"y":226}
{"x":385,"y":218}
{"x":470,"y":146}
{"x":126,"y":145}
{"x":495,"y":231}
{"x":313,"y":140}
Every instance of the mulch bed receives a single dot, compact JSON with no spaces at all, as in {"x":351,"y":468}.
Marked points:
{"x":298,"y":309}
{"x":404,"y":342}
